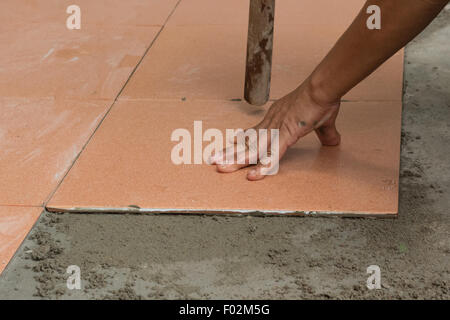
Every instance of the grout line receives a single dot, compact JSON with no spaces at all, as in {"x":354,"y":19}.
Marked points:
{"x":225,"y":212}
{"x":236,"y":99}
{"x":114,"y":99}
{"x":110,"y":108}
{"x":146,"y":51}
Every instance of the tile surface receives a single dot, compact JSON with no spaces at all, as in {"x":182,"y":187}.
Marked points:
{"x":233,"y":12}
{"x":207,"y":12}
{"x":55,"y":87}
{"x":194,"y":62}
{"x":328,"y":12}
{"x":15,"y":223}
{"x":106,"y":12}
{"x":296,"y":54}
{"x":39,"y":140}
{"x":128,"y":163}
{"x":48,"y":60}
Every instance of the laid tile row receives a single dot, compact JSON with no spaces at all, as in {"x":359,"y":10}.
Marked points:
{"x":129,"y":163}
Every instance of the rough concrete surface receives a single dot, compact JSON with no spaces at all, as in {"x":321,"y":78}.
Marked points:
{"x":174,"y":256}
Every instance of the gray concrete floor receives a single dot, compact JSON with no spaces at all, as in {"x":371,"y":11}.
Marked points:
{"x":160,"y":257}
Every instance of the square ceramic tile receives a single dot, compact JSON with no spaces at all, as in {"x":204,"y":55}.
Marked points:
{"x":15,"y":223}
{"x":127,"y":165}
{"x":48,"y":60}
{"x":328,"y":12}
{"x":207,"y":12}
{"x":106,"y":12}
{"x":200,"y":62}
{"x":299,"y":49}
{"x":195,"y":62}
{"x":233,"y":12}
{"x":39,"y":140}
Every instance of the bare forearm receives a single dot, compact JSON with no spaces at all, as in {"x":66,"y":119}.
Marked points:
{"x":360,"y":50}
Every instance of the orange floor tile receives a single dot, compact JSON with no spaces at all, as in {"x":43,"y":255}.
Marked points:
{"x":39,"y":140}
{"x":15,"y":223}
{"x":207,"y":12}
{"x":193,"y":62}
{"x":107,"y":12}
{"x":298,"y":50}
{"x":48,"y":60}
{"x":328,"y":12}
{"x":233,"y":12}
{"x":128,"y":164}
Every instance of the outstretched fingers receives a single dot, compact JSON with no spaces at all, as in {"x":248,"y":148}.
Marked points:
{"x":242,"y":153}
{"x":269,"y":163}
